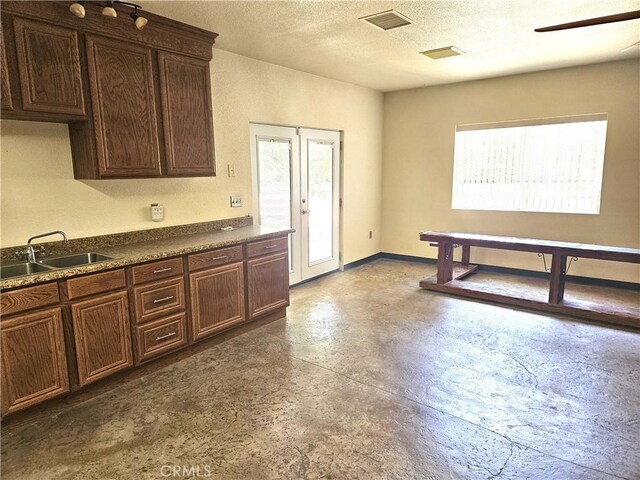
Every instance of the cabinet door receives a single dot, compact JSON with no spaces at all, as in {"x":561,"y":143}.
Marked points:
{"x":217,"y":299}
{"x":268,"y":280}
{"x":5,"y":98}
{"x":124,"y":109}
{"x":186,"y":112}
{"x":49,"y":66}
{"x":34,"y":366}
{"x":102,"y":336}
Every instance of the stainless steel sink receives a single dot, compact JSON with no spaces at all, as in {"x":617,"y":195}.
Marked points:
{"x":20,"y":269}
{"x":49,"y":264}
{"x":76,"y":260}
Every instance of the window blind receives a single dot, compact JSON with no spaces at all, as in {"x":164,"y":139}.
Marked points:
{"x":545,"y":165}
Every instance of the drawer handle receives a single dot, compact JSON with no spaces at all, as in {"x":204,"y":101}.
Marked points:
{"x":270,"y":246}
{"x":162,"y":337}
{"x":164,"y":299}
{"x":219,"y":257}
{"x":162,"y":270}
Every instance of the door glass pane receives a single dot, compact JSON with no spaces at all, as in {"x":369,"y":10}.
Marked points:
{"x":274,"y":185}
{"x":320,"y":200}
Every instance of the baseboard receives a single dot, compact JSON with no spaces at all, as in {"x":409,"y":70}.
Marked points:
{"x":408,"y":258}
{"x":315,"y":278}
{"x":603,"y":282}
{"x":362,"y":261}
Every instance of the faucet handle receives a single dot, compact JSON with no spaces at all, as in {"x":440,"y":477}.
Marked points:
{"x":26,"y":252}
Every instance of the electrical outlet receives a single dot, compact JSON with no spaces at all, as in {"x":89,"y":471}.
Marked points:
{"x":232,"y":169}
{"x":157,"y":212}
{"x":236,"y":201}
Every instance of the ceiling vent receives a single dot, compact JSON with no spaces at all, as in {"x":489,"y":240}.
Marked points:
{"x":387,"y":20}
{"x":443,"y":52}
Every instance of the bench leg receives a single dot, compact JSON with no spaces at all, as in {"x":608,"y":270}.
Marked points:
{"x":558,"y":273}
{"x":445,"y":262}
{"x":466,"y":255}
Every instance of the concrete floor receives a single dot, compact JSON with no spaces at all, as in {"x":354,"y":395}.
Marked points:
{"x":368,"y":377}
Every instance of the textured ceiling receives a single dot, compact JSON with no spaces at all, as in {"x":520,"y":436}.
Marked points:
{"x":326,"y":38}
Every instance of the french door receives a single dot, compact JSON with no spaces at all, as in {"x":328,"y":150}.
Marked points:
{"x":296,"y":184}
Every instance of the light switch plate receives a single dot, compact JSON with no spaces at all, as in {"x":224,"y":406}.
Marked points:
{"x":236,"y":201}
{"x":232,"y":169}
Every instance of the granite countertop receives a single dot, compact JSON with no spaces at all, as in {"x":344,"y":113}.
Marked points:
{"x":132,"y":253}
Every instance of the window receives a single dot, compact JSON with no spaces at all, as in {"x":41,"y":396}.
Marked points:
{"x":544,"y":165}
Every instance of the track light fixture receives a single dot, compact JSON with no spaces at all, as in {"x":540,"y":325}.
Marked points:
{"x":77,"y":8}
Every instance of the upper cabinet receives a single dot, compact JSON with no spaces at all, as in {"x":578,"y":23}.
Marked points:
{"x":49,"y":66}
{"x":138,"y":103}
{"x":124,"y":110}
{"x":185,"y":90}
{"x":5,"y":99}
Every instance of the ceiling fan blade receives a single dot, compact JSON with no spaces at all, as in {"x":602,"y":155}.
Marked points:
{"x":620,"y":17}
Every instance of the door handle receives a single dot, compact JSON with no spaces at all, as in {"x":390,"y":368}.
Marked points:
{"x":304,"y":212}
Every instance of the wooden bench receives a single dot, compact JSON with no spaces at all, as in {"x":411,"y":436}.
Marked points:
{"x":450,"y":273}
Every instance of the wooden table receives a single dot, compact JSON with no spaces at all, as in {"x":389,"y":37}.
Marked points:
{"x":450,"y":273}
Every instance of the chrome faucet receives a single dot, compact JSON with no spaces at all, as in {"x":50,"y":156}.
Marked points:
{"x":31,"y":252}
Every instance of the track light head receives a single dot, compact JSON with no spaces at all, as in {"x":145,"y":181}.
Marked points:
{"x":139,"y":21}
{"x":77,"y":8}
{"x":109,"y":11}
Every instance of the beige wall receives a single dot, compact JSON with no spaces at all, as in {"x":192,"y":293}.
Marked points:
{"x":38,"y":192}
{"x":419,"y":127}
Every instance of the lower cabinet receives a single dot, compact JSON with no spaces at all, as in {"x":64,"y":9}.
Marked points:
{"x":108,"y":330}
{"x":102,"y":336}
{"x":268,"y":284}
{"x":34,"y":366}
{"x":217,"y":299}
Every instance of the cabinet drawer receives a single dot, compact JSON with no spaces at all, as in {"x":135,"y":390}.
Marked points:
{"x":157,"y":270}
{"x":263,"y":247}
{"x":213,"y":258}
{"x":29,"y":298}
{"x":96,"y":283}
{"x":159,"y":298}
{"x":161,"y":336}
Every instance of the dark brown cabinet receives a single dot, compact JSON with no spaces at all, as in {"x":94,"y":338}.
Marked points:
{"x":138,"y":104}
{"x":102,"y":336}
{"x":48,"y":61}
{"x":217,"y":299}
{"x":34,"y":366}
{"x":267,"y":283}
{"x":185,"y":90}
{"x":123,"y":139}
{"x":124,"y":127}
{"x":62,"y":335}
{"x":6,"y":102}
{"x":160,"y":306}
